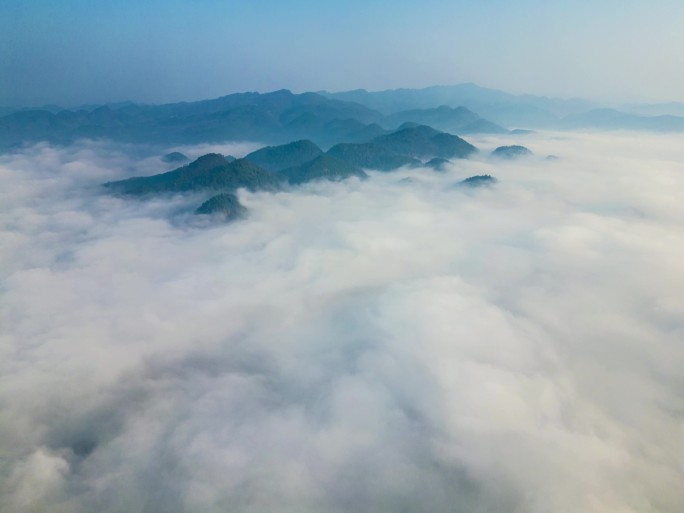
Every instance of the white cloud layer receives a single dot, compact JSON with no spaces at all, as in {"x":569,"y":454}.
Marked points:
{"x":383,"y":345}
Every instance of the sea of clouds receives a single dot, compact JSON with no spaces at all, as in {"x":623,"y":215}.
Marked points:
{"x":390,"y":345}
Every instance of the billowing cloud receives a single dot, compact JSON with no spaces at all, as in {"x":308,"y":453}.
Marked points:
{"x":379,"y":345}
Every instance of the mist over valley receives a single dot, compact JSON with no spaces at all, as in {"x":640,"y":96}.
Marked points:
{"x":365,"y":257}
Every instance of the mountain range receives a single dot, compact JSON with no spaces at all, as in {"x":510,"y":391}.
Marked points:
{"x":274,"y":118}
{"x":516,"y":111}
{"x":324,"y":118}
{"x":294,"y":163}
{"x":209,"y":172}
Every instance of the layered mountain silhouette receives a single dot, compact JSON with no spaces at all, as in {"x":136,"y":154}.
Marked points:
{"x":516,"y":111}
{"x":611,"y":119}
{"x":272,"y":118}
{"x":457,"y":120}
{"x":497,"y":106}
{"x":324,"y":118}
{"x":278,"y":117}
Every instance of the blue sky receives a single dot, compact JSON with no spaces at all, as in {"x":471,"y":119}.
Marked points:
{"x":72,"y":52}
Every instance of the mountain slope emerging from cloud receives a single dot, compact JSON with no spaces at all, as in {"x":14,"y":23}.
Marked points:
{"x":209,"y":172}
{"x":226,"y":205}
{"x":425,"y":142}
{"x":299,"y":162}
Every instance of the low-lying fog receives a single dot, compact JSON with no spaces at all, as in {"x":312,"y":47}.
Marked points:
{"x":386,"y":345}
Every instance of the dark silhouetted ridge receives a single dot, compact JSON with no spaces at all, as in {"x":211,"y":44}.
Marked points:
{"x":211,"y":171}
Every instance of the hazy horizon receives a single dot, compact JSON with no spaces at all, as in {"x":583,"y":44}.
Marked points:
{"x":294,"y":91}
{"x":74,"y":52}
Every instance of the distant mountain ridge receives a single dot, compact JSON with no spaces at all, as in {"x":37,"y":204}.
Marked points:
{"x":525,"y":110}
{"x":276,"y":117}
{"x":273,"y":118}
{"x":611,"y":119}
{"x":325,"y":119}
{"x":498,"y":106}
{"x":458,"y":120}
{"x":654,"y":109}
